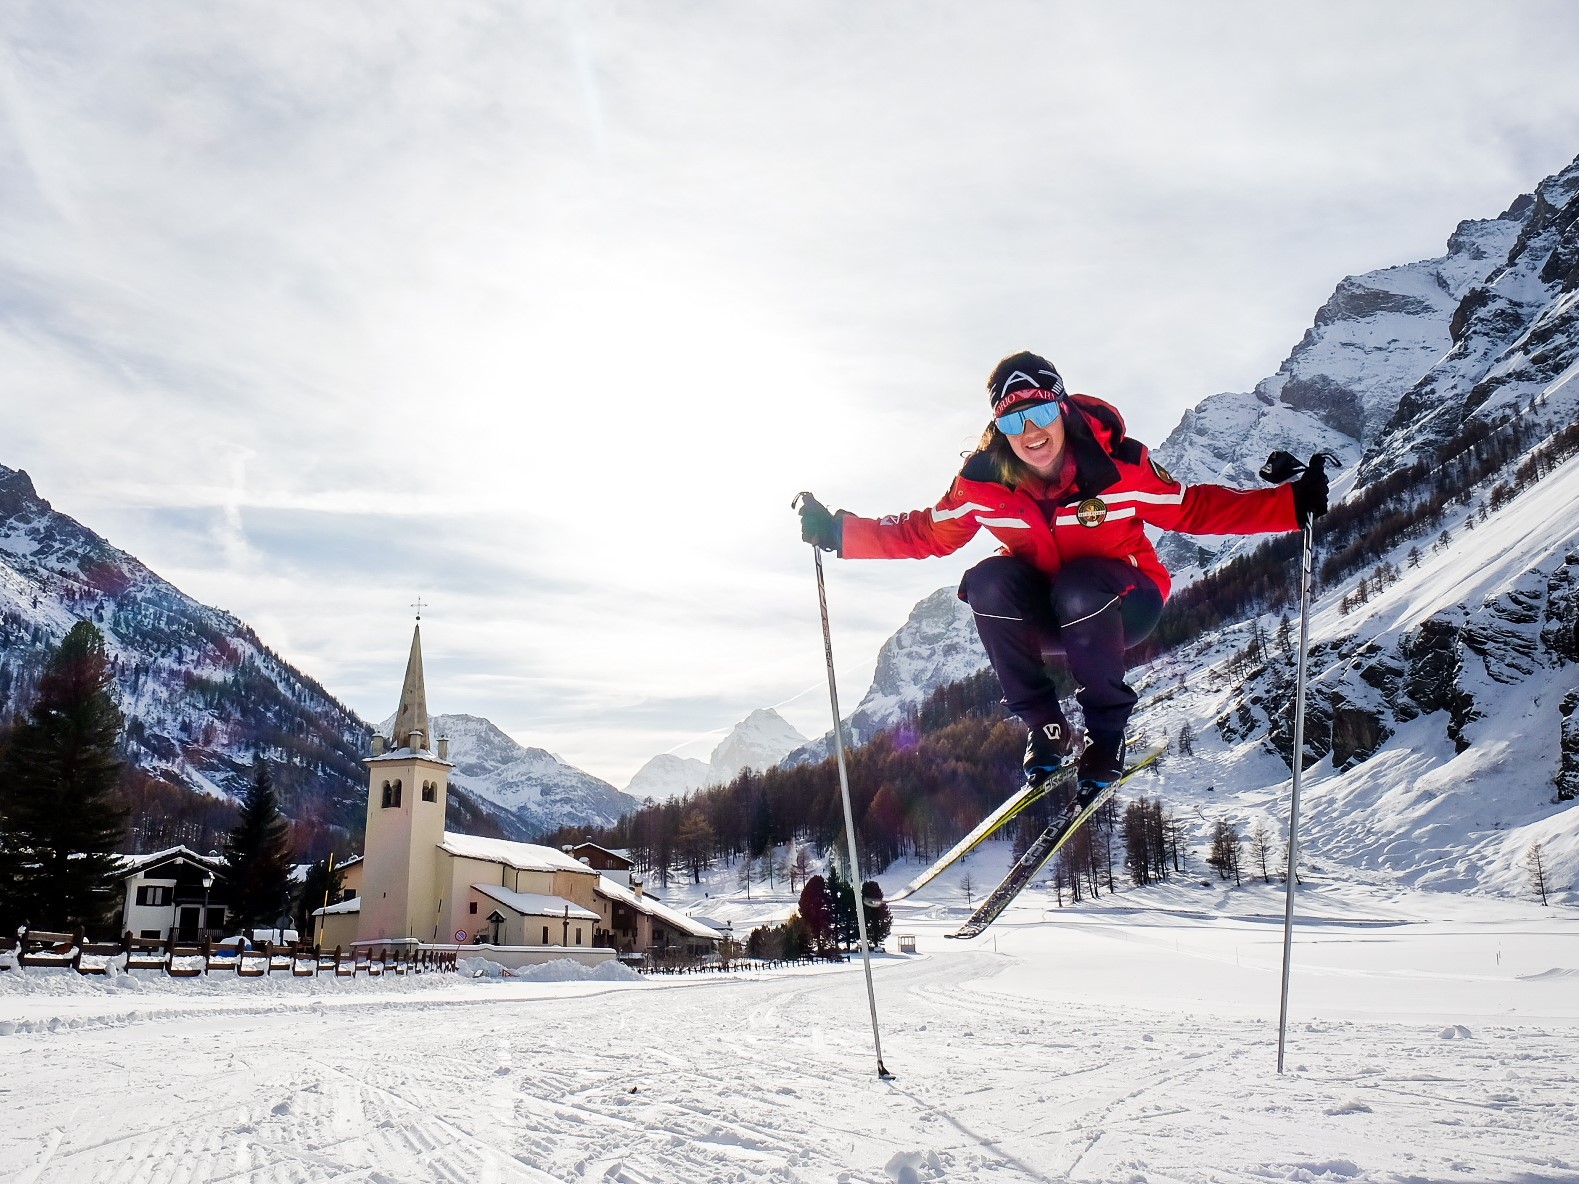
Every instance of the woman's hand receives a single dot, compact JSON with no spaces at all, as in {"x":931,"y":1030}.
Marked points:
{"x":817,"y":526}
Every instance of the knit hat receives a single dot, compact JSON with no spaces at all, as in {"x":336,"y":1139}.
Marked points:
{"x":1023,"y":378}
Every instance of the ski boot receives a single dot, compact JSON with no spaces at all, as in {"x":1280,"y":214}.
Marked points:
{"x":1048,"y":748}
{"x":1101,"y":764}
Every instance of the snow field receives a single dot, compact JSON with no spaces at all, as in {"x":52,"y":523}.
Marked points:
{"x":1131,"y":1039}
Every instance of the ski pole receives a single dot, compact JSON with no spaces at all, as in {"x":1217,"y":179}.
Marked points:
{"x":849,"y":815}
{"x":1280,"y":467}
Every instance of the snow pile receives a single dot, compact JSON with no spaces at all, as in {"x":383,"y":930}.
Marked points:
{"x":561,"y":970}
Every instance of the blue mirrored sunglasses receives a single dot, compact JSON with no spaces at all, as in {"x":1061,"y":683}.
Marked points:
{"x":1041,"y":414}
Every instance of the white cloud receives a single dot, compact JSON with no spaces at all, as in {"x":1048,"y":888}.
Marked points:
{"x":567,"y":302}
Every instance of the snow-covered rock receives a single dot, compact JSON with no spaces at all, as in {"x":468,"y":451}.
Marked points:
{"x":668,"y":776}
{"x":759,"y":741}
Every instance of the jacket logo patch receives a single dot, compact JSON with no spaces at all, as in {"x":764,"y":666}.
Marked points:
{"x":1091,"y":512}
{"x":1162,"y":474}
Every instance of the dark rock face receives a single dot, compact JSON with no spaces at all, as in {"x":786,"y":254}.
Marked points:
{"x":1500,"y":635}
{"x":1354,"y":301}
{"x":17,"y":495}
{"x":1560,"y":624}
{"x":1335,"y":405}
{"x":1435,"y":661}
{"x":1568,"y":757}
{"x":1358,"y":732}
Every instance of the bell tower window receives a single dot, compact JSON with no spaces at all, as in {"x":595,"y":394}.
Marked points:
{"x":391,"y":796}
{"x":430,"y":791}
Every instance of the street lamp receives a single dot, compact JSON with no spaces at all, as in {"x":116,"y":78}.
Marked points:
{"x":208,"y":882}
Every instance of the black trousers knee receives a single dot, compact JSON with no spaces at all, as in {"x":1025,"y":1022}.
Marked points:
{"x":1091,"y":611}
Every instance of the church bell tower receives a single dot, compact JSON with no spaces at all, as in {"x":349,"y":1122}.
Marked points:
{"x":407,"y":786}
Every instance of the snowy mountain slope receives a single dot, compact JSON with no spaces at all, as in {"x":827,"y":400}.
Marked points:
{"x":759,"y":741}
{"x":533,"y":785}
{"x":1439,"y":710}
{"x":200,"y":691}
{"x":1399,"y":359}
{"x":1515,"y":336}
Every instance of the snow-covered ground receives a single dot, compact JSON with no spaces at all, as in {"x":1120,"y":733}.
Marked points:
{"x":1433,"y":1038}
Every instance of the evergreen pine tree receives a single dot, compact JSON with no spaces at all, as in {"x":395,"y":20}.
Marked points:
{"x":814,"y":911}
{"x":879,"y":921}
{"x":60,"y":824}
{"x":258,"y":852}
{"x":841,"y":907}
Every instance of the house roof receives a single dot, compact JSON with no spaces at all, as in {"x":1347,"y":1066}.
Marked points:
{"x":132,"y":864}
{"x":614,"y":890}
{"x":354,"y":905}
{"x":532,"y":904}
{"x":527,"y":857}
{"x":619,"y":855}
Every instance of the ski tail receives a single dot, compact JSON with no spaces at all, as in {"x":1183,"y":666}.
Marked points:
{"x":1027,"y":796}
{"x":1042,"y":849}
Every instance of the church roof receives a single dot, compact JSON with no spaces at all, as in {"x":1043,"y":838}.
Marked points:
{"x":527,"y":857}
{"x":533,"y":904}
{"x":412,"y":714}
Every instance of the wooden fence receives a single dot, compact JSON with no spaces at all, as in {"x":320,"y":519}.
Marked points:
{"x":189,"y":960}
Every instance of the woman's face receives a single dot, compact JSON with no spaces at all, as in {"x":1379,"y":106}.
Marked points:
{"x":1041,"y":448}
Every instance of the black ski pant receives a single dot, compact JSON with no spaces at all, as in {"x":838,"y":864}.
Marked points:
{"x":1091,"y":612}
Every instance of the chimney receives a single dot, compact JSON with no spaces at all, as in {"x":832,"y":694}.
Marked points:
{"x":444,"y":748}
{"x":414,"y":741}
{"x":378,"y":744}
{"x":637,"y":886}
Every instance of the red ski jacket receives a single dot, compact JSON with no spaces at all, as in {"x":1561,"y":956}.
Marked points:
{"x":1118,"y":491}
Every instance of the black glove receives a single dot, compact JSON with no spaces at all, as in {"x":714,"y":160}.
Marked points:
{"x":1310,"y":491}
{"x":818,"y":527}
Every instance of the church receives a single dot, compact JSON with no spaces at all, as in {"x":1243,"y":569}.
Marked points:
{"x":416,"y":880}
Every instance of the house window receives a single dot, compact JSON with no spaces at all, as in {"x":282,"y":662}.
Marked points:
{"x":154,"y":933}
{"x":155,"y":895}
{"x":472,"y":908}
{"x":430,"y":791}
{"x":545,"y":935}
{"x":578,"y":935}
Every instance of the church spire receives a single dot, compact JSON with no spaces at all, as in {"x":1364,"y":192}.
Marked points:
{"x":412,"y":715}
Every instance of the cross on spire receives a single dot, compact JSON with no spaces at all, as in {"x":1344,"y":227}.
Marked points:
{"x":418,"y":607}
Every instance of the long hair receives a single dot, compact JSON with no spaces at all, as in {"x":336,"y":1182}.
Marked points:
{"x":994,"y":447}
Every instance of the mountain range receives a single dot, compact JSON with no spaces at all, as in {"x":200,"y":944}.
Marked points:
{"x":760,"y":741}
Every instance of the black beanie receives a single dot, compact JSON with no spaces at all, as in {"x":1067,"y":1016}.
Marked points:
{"x":1023,"y":377}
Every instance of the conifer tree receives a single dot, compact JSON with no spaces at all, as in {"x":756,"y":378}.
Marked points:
{"x":813,"y":909}
{"x":879,"y":920}
{"x":841,"y":907}
{"x":60,"y":824}
{"x":258,"y":852}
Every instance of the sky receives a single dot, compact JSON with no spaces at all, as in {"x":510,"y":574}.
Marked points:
{"x":544,"y":312}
